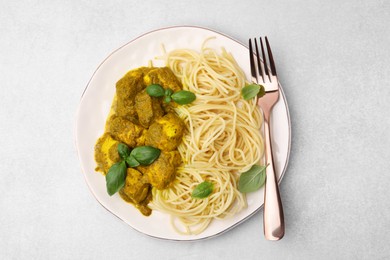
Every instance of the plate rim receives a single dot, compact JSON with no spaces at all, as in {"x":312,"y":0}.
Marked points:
{"x":86,"y":88}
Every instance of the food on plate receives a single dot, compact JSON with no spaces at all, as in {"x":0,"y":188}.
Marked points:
{"x":221,"y":141}
{"x":106,"y":153}
{"x":138,"y":149}
{"x":163,"y":171}
{"x":137,"y":191}
{"x":165,"y":133}
{"x":202,"y":127}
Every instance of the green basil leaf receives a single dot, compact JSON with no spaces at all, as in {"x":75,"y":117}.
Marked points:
{"x":261,"y":91}
{"x":167,"y":99}
{"x":132,"y":162}
{"x":252,"y":91}
{"x":123,"y":150}
{"x":253,"y":179}
{"x":168,"y":92}
{"x":145,"y":155}
{"x":183,"y":97}
{"x":115,"y":178}
{"x":203,"y":190}
{"x":155,"y":90}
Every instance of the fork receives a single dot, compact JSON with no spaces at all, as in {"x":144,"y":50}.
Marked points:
{"x":261,"y":74}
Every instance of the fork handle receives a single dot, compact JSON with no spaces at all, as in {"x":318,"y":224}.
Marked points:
{"x":273,"y":210}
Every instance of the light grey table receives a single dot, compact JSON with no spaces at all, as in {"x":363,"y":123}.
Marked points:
{"x":333,"y":61}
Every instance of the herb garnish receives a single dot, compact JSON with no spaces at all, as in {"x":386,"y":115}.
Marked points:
{"x":181,"y":97}
{"x":252,"y":90}
{"x":203,"y":190}
{"x":253,"y":179}
{"x":115,"y":178}
{"x":155,"y":90}
{"x":145,"y":155}
{"x":142,"y":155}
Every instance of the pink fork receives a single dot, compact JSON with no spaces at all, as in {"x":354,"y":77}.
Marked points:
{"x":261,"y":74}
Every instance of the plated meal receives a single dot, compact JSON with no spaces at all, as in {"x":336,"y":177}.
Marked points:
{"x":176,"y":135}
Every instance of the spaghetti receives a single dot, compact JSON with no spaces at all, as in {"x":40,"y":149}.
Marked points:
{"x":223,"y":139}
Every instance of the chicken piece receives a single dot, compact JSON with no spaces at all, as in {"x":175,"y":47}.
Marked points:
{"x":141,"y":139}
{"x":148,"y":108}
{"x":124,"y":130}
{"x":126,"y":90}
{"x":137,"y":191}
{"x":106,"y":153}
{"x":136,"y":186}
{"x":164,"y":77}
{"x":163,"y":171}
{"x":165,"y":133}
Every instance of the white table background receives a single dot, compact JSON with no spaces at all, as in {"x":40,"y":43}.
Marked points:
{"x":333,"y":61}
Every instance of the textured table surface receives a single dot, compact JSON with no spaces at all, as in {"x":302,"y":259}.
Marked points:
{"x":333,"y":61}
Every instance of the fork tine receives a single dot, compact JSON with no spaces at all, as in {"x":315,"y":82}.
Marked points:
{"x":261,"y":71}
{"x":252,"y":62}
{"x":270,"y":57}
{"x":264,"y":59}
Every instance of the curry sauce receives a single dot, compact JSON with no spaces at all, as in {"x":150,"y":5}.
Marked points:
{"x":137,"y":119}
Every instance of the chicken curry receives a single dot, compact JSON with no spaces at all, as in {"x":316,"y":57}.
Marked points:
{"x":137,"y":119}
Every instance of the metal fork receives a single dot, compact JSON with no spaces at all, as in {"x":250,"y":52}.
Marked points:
{"x":261,"y":74}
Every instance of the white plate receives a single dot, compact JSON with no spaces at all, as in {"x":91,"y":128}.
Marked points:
{"x":96,"y":101}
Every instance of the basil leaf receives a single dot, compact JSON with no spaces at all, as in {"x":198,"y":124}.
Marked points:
{"x":123,"y":150}
{"x":167,"y":99}
{"x":203,"y":190}
{"x":145,"y":155}
{"x":168,"y":92}
{"x":132,"y":162}
{"x":155,"y":90}
{"x":183,"y":97}
{"x":252,"y":91}
{"x":253,"y":179}
{"x":115,"y":178}
{"x":261,"y":91}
